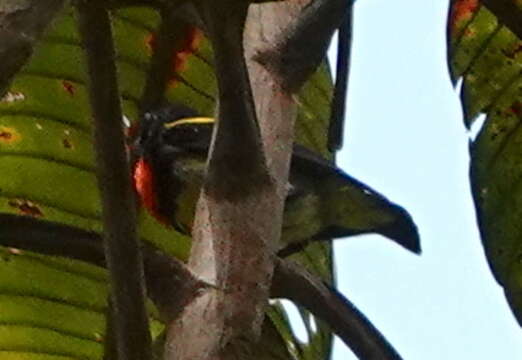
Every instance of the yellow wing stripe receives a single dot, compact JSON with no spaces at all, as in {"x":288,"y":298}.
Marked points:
{"x":192,"y":120}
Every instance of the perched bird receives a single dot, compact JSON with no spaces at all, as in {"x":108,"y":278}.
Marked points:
{"x":323,"y":202}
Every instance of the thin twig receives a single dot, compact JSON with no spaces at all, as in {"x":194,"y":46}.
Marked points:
{"x":119,"y":214}
{"x":344,"y":46}
{"x":296,"y":284}
{"x":50,"y":238}
{"x":110,"y":350}
{"x":168,"y":38}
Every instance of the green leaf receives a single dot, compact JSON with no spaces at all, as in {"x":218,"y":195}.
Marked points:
{"x":46,"y":150}
{"x":52,"y":308}
{"x":311,"y":129}
{"x":488,"y":58}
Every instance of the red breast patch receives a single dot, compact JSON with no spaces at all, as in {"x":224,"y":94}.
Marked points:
{"x":143,"y":177}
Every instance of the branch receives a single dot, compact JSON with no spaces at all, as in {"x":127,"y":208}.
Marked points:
{"x":119,"y":214}
{"x":304,"y":43}
{"x":358,"y":333}
{"x":168,"y":39}
{"x":296,"y":247}
{"x":275,"y":106}
{"x":110,"y":349}
{"x":50,"y":238}
{"x":171,"y":285}
{"x":508,"y":12}
{"x":22,"y":22}
{"x":344,"y":46}
{"x":233,"y":234}
{"x":159,"y":69}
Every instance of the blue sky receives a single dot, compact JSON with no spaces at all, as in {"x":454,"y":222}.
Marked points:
{"x":405,"y":138}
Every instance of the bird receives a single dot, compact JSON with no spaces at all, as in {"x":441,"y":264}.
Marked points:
{"x":169,"y":156}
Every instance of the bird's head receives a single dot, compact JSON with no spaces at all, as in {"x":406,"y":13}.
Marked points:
{"x":176,"y":128}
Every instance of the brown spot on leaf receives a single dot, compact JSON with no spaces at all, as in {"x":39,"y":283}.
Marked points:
{"x":188,"y":46}
{"x":98,"y":337}
{"x":513,"y":52}
{"x":462,"y":11}
{"x":8,"y":135}
{"x":150,"y":42}
{"x":67,"y":143}
{"x":469,"y":32}
{"x":516,"y":108}
{"x":26,"y":207}
{"x":69,"y":87}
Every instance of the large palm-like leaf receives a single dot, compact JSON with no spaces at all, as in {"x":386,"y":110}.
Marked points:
{"x":47,"y":165}
{"x":487,"y":55}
